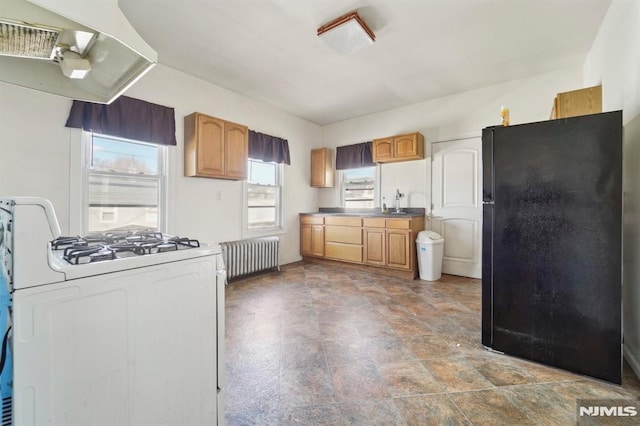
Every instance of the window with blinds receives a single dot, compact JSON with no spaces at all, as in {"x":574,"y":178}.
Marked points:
{"x":264,"y":189}
{"x":358,"y":187}
{"x":124,"y":185}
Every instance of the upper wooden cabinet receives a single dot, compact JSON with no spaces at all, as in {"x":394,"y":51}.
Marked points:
{"x":577,"y":102}
{"x":214,"y":148}
{"x":398,"y":148}
{"x":236,"y":150}
{"x":383,"y":150}
{"x":322,"y":168}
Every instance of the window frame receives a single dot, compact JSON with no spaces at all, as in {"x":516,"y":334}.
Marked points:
{"x":87,"y":171}
{"x":376,"y":187}
{"x":279,"y":228}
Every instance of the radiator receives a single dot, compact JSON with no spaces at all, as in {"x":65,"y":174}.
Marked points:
{"x":249,"y":256}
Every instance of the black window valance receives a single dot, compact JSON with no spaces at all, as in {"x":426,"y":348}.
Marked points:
{"x":268,"y":148}
{"x":126,"y":118}
{"x":354,"y":156}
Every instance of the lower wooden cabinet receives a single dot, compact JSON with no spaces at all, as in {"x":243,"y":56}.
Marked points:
{"x":343,"y":234}
{"x":343,"y":239}
{"x":384,"y":243}
{"x":312,"y":236}
{"x":375,"y":246}
{"x":399,"y":247}
{"x":390,"y":243}
{"x":343,"y":252}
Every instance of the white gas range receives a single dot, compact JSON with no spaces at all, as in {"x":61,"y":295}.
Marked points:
{"x":120,"y":328}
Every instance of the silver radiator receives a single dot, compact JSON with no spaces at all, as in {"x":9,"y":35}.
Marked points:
{"x":249,"y":256}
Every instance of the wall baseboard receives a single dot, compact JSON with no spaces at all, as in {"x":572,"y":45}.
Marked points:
{"x":633,"y":361}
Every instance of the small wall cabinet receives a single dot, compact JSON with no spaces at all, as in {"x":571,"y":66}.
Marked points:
{"x":214,"y":148}
{"x":577,"y":102}
{"x":322,"y":170}
{"x":399,"y":148}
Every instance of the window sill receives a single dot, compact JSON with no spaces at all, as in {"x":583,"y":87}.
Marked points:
{"x":263,"y":232}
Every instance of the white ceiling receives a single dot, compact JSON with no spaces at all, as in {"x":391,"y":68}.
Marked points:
{"x":268,"y":50}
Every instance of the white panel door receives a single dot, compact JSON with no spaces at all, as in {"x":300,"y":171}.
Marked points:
{"x":457,"y":204}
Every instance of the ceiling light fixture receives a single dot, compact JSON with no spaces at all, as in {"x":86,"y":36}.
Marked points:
{"x":73,"y":65}
{"x":347,"y":33}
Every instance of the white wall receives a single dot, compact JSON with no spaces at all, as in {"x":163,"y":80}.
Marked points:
{"x":452,"y":117}
{"x":36,"y":148}
{"x":614,"y":61}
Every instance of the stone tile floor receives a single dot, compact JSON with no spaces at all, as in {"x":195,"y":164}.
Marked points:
{"x":319,"y":345}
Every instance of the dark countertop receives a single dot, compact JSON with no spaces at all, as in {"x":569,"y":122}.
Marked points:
{"x":375,"y":212}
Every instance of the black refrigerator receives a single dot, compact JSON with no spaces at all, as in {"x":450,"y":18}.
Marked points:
{"x":552,"y":243}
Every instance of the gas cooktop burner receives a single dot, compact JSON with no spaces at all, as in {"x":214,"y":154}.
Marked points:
{"x":118,"y":245}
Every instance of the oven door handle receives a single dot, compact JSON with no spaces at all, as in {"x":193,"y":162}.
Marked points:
{"x":221,"y":280}
{"x":3,"y":357}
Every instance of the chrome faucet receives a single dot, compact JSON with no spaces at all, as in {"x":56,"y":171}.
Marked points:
{"x":398,"y":197}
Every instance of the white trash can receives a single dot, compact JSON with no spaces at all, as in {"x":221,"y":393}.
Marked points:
{"x":430,"y":247}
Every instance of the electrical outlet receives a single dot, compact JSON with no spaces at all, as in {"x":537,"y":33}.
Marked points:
{"x":218,"y":195}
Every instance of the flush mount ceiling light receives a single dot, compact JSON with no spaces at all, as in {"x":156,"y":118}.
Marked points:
{"x":347,"y":33}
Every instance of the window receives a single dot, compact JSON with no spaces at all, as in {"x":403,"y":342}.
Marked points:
{"x":358,"y":187}
{"x":264,"y":194}
{"x":124,"y":185}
